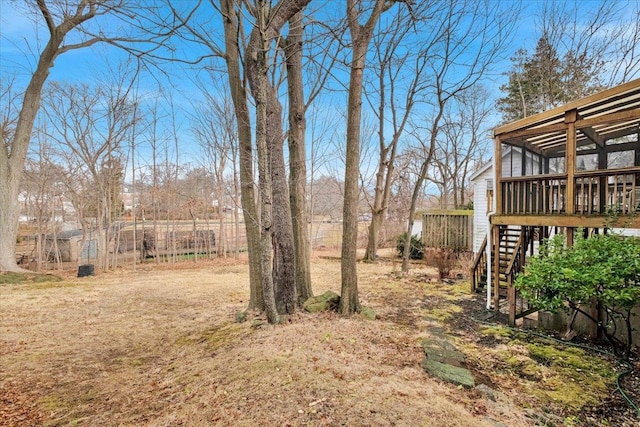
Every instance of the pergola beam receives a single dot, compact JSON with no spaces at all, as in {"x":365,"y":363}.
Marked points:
{"x":610,"y":119}
{"x":594,"y":136}
{"x":525,"y":133}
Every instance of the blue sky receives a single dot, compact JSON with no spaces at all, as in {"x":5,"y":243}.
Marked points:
{"x":19,"y":39}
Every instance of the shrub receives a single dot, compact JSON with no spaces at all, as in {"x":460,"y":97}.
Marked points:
{"x":444,"y":260}
{"x":417,"y":247}
{"x":602,"y":269}
{"x":465,"y":262}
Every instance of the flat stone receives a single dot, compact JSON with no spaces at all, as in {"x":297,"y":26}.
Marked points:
{"x":452,"y":374}
{"x":436,"y":330}
{"x":454,"y":358}
{"x":438,"y":343}
{"x":316,"y":307}
{"x":443,"y":351}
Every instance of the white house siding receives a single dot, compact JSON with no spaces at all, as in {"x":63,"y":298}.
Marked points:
{"x":417,"y":227}
{"x":480,"y":218}
{"x":627,"y":231}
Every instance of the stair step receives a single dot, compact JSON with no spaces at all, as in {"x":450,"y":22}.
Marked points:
{"x":503,"y":246}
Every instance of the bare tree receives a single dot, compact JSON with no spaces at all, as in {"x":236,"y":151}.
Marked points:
{"x":396,"y":97}
{"x":580,"y":51}
{"x":603,"y":42}
{"x":323,"y":150}
{"x":233,"y":33}
{"x":241,"y":55}
{"x":153,"y":206}
{"x":68,"y":26}
{"x":213,"y":125}
{"x":461,"y":145}
{"x":464,"y":42}
{"x":361,"y":36}
{"x":275,"y":207}
{"x":89,"y":127}
{"x":42,"y":193}
{"x":626,"y":47}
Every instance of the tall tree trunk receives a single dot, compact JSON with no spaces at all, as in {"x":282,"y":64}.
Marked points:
{"x":375,"y":225}
{"x":297,"y":158}
{"x":247,"y":193}
{"x":9,"y":215}
{"x":13,"y":156}
{"x":258,"y":69}
{"x":412,"y":211}
{"x":282,"y":232}
{"x":377,"y":210}
{"x":349,"y":301}
{"x":275,"y":204}
{"x":361,"y":35}
{"x":380,"y":202}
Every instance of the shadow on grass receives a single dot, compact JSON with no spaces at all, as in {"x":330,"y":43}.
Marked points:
{"x":11,"y":278}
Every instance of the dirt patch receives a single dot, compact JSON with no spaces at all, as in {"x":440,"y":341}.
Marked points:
{"x":159,"y":347}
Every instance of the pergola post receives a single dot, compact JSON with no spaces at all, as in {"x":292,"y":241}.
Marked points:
{"x":495,"y":229}
{"x":570,"y":118}
{"x":495,"y":240}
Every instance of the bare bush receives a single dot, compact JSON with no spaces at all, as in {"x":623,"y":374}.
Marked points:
{"x":465,"y":262}
{"x":444,"y":259}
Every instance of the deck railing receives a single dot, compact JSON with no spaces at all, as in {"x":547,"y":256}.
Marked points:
{"x":596,"y":192}
{"x":605,"y":191}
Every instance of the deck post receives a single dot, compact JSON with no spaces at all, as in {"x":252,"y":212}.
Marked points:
{"x":497,"y":175}
{"x":511,"y":296}
{"x":570,"y":118}
{"x":495,"y":239}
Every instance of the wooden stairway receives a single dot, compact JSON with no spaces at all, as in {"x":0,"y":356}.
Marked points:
{"x":515,"y":244}
{"x":510,"y":244}
{"x":509,"y":240}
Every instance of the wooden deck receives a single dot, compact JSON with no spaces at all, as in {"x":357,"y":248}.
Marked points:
{"x":574,"y":167}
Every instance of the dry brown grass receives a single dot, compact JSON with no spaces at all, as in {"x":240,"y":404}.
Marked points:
{"x":158,"y":347}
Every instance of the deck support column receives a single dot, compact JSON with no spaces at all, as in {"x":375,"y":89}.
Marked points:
{"x":511,"y":295}
{"x":495,"y":238}
{"x":570,"y":118}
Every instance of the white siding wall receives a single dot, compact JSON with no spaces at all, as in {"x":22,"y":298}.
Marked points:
{"x":628,"y":231}
{"x":480,"y":218}
{"x":417,"y":228}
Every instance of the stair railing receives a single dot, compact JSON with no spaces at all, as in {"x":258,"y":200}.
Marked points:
{"x":515,"y":266}
{"x":479,"y":267}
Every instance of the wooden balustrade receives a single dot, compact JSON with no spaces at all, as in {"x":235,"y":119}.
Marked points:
{"x":596,"y":192}
{"x":606,"y":191}
{"x":542,"y":194}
